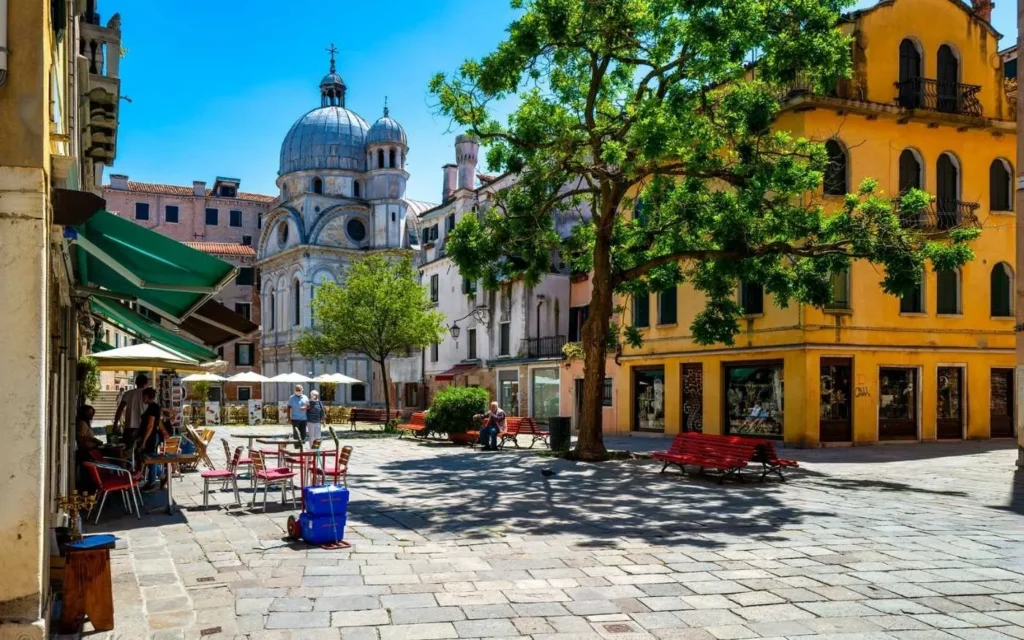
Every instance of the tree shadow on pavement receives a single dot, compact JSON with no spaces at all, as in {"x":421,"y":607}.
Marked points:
{"x":860,"y":483}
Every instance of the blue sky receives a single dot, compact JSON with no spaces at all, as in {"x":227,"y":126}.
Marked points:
{"x":216,"y":85}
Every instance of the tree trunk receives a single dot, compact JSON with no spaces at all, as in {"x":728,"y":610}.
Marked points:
{"x":387,"y":392}
{"x":590,"y":441}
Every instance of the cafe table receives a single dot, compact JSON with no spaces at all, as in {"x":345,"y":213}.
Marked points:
{"x":308,"y":463}
{"x":168,"y":461}
{"x":280,"y":443}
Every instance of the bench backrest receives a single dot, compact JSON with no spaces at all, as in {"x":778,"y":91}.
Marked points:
{"x":418,"y":419}
{"x":717,"y":446}
{"x":373,"y":414}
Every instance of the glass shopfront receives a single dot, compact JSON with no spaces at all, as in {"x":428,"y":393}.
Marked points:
{"x":949,"y":407}
{"x":649,"y":399}
{"x":897,"y":404}
{"x":754,"y":399}
{"x":544,"y":391}
{"x":508,"y":392}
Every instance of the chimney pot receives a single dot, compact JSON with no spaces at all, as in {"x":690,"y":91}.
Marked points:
{"x":983,"y":9}
{"x":119,"y":181}
{"x":199,"y":188}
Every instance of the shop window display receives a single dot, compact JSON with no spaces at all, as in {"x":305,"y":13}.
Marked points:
{"x":754,"y":399}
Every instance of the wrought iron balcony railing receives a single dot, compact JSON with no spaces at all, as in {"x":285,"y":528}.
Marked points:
{"x":942,"y":215}
{"x":550,"y":347}
{"x":936,"y":95}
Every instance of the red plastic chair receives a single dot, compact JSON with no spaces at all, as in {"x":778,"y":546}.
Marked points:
{"x":225,"y":476}
{"x":111,"y":478}
{"x":261,"y":474}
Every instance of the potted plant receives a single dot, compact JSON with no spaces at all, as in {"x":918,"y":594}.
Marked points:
{"x":452,"y":412}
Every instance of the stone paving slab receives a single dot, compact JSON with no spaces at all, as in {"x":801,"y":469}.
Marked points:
{"x":907,"y":541}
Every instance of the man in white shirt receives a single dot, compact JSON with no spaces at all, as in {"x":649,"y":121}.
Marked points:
{"x":131,"y":407}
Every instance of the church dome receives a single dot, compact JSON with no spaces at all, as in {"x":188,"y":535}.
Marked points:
{"x":386,"y":130}
{"x":330,"y":137}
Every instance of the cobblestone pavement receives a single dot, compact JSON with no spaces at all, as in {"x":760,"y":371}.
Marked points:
{"x":909,"y":541}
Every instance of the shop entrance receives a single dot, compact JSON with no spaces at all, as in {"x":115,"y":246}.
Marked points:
{"x":835,"y":422}
{"x":949,"y":415}
{"x":1001,"y":403}
{"x":897,"y":403}
{"x":693,"y":397}
{"x":649,"y":399}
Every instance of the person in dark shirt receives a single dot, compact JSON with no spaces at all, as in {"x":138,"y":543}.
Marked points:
{"x":152,"y":433}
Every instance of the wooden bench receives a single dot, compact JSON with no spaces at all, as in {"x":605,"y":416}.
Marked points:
{"x":515,"y":426}
{"x":417,"y":425}
{"x":377,"y":416}
{"x":726,"y":455}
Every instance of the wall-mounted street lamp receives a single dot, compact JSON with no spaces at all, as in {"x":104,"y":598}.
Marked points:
{"x":481,"y":314}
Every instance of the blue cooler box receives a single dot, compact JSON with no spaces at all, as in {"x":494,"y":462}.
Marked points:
{"x":326,"y":501}
{"x":322,"y":529}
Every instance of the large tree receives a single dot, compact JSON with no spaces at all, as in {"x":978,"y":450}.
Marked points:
{"x":654,"y":120}
{"x":379,"y":309}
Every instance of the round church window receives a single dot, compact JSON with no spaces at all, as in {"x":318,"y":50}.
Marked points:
{"x":356,"y":229}
{"x":282,"y":233}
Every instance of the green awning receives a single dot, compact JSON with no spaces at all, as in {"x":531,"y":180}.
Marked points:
{"x":120,"y":256}
{"x":145,"y":329}
{"x":99,"y":346}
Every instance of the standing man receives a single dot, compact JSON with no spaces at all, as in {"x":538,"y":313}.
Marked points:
{"x":298,"y":403}
{"x":131,"y":407}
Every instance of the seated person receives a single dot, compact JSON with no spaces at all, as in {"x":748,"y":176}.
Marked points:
{"x":84,"y":437}
{"x":493,"y":423}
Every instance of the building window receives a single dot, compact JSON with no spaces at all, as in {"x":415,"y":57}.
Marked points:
{"x":913,"y":302}
{"x":244,"y":353}
{"x":392,"y":160}
{"x":1002,"y":291}
{"x":296,"y":303}
{"x":318,"y":185}
{"x":282,"y":233}
{"x":835,"y":170}
{"x":235,"y":218}
{"x":948,"y":295}
{"x":911,"y":171}
{"x":244,"y":309}
{"x":357,"y":393}
{"x":355,"y":189}
{"x":273,"y":311}
{"x":449,"y":222}
{"x":544,"y":393}
{"x":142,"y":211}
{"x":948,"y":76}
{"x":228,"y":192}
{"x":356,"y":230}
{"x":468,"y":287}
{"x":471,"y":344}
{"x":380,"y":158}
{"x":211,"y":217}
{"x":1000,"y":185}
{"x":171,"y":213}
{"x":910,"y":85}
{"x":434,"y":288}
{"x":259,"y":221}
{"x":754,"y":399}
{"x":244,"y":394}
{"x":606,"y":398}
{"x":433,"y":352}
{"x":504,"y":338}
{"x":246,"y":241}
{"x":840,"y":290}
{"x":947,"y":191}
{"x":667,"y":306}
{"x":117,"y":339}
{"x":213,"y":395}
{"x":752,"y":298}
{"x":641,"y":310}
{"x":577,"y":316}
{"x":246,"y":276}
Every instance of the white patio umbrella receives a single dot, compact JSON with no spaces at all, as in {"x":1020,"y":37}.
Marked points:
{"x":290,"y":377}
{"x":204,"y":377}
{"x":248,"y":376}
{"x":336,"y":378}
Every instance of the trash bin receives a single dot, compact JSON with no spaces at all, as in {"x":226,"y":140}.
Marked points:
{"x":560,"y":428}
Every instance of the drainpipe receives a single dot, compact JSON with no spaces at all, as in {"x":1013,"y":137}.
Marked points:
{"x":3,"y":42}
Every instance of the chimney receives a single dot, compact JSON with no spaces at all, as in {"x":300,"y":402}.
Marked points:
{"x":450,"y":177}
{"x":467,"y":148}
{"x":199,"y":188}
{"x":119,"y":181}
{"x":983,"y":9}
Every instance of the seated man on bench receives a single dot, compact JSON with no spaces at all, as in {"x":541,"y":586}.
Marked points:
{"x":493,"y":422}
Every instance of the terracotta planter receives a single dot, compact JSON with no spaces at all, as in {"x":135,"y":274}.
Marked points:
{"x":462,"y":438}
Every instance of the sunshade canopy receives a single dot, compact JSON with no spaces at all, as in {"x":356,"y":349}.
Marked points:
{"x":204,"y":377}
{"x":290,"y":377}
{"x":146,"y":329}
{"x":336,"y":378}
{"x":143,"y":356}
{"x":122,"y":257}
{"x":248,"y":376}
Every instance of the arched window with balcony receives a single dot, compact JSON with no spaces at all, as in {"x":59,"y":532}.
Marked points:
{"x":947,"y":87}
{"x":911,"y":171}
{"x":318,"y":185}
{"x":835,"y":183}
{"x":1002,"y":291}
{"x":1000,"y":186}
{"x":296,"y":303}
{"x":947,"y":191}
{"x":909,"y":88}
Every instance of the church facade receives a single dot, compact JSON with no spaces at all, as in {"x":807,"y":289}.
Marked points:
{"x":342,"y":188}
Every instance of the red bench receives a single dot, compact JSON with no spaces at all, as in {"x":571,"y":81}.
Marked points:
{"x":515,"y":426}
{"x":417,"y":425}
{"x":727,"y":454}
{"x":378,"y":416}
{"x":769,"y":458}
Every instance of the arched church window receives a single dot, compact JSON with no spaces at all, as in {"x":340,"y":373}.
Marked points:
{"x":380,"y":158}
{"x":282,"y":233}
{"x":296,"y":303}
{"x":355,"y":190}
{"x":318,"y":185}
{"x":273,"y":311}
{"x":392,"y":160}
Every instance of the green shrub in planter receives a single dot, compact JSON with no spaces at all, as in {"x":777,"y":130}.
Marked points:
{"x":453,"y":409}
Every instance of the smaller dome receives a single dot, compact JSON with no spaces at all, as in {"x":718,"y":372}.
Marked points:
{"x":386,"y":129}
{"x":332,"y":79}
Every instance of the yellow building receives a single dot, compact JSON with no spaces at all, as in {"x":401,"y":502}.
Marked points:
{"x":925,"y":107}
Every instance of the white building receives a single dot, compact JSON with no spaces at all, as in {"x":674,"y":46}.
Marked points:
{"x":342,"y":194}
{"x":508,"y":341}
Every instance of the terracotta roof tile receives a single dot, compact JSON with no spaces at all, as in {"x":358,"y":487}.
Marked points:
{"x":224,"y":248}
{"x":177,"y":190}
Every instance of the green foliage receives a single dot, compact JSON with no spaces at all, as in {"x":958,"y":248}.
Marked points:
{"x":89,"y":375}
{"x":454,"y":407}
{"x":327,"y":391}
{"x":572,"y":351}
{"x":200,"y":391}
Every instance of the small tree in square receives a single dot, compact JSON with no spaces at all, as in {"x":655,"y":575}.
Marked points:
{"x":378,"y":309}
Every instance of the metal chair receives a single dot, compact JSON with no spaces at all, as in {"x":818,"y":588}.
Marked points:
{"x":261,"y":474}
{"x":224,"y":475}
